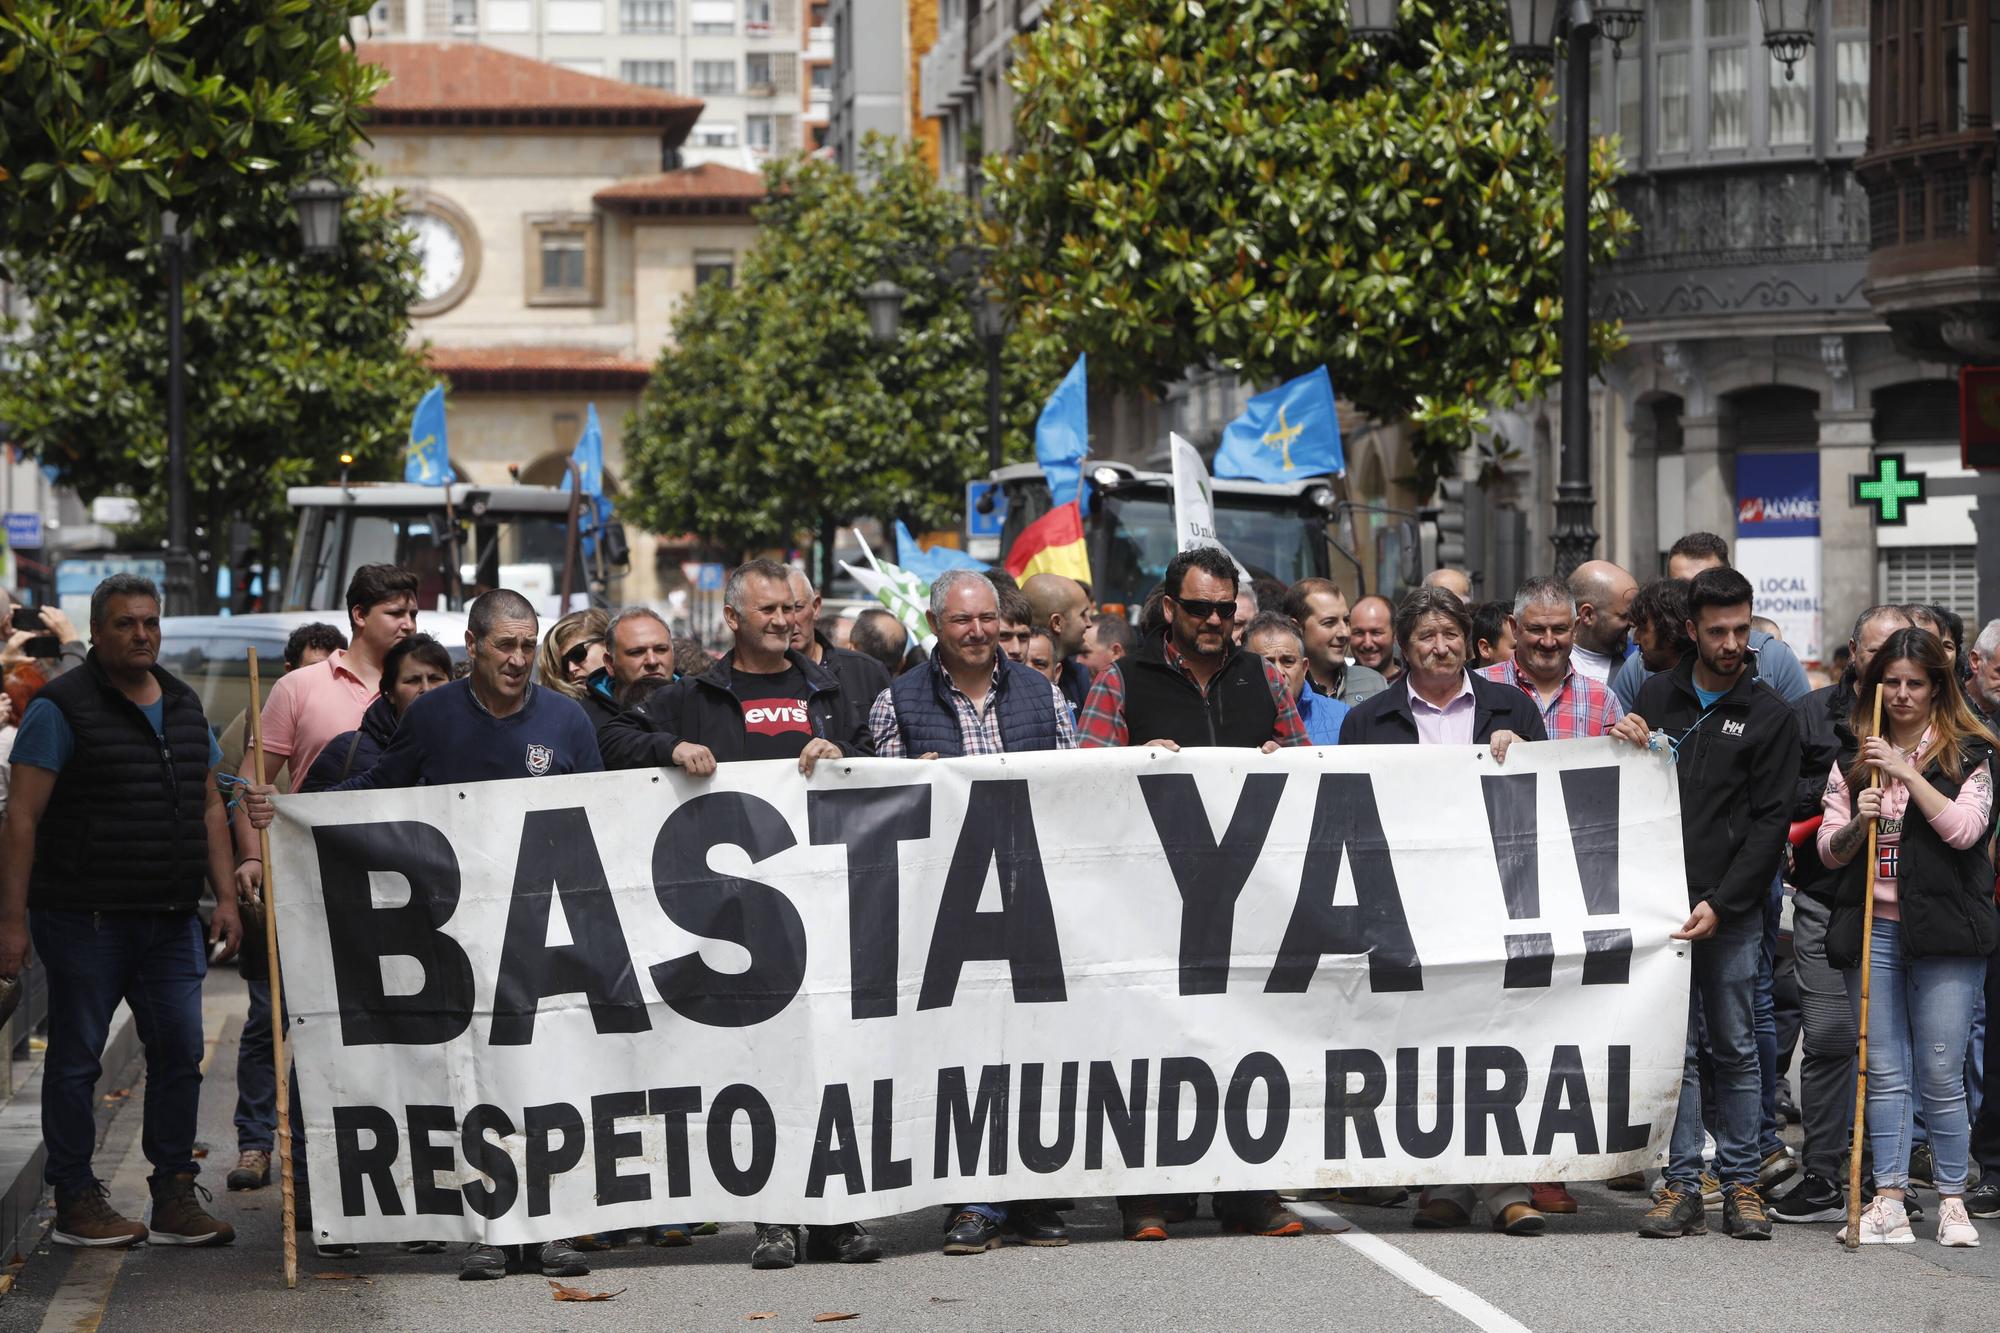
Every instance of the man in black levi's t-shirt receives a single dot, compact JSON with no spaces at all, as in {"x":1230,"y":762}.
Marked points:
{"x":776,"y":721}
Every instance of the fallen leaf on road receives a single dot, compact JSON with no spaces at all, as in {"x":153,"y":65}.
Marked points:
{"x":762,"y":1314}
{"x":342,"y":1277}
{"x":831,"y":1318}
{"x":562,"y":1293}
{"x":6,"y":1283}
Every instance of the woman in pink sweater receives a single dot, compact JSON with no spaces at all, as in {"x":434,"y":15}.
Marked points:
{"x":1935,"y":921}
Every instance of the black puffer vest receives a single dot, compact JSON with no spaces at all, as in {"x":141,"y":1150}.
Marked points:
{"x":1161,"y":703}
{"x":929,"y":723}
{"x":123,"y":830}
{"x":1944,"y":897}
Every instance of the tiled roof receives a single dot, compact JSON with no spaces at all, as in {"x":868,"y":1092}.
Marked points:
{"x":537,"y":366}
{"x":469,"y":84}
{"x":704,"y":190}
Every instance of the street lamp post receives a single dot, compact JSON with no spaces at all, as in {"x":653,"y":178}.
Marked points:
{"x":883,"y":299}
{"x":179,"y":591}
{"x":319,"y":202}
{"x":1576,"y":506}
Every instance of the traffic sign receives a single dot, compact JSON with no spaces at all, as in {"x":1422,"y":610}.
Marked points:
{"x":24,"y":531}
{"x":1889,"y":490}
{"x":709,"y":578}
{"x":988,"y":523}
{"x":1979,"y":417}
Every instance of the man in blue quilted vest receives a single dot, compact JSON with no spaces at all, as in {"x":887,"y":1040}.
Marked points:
{"x":970,"y":698}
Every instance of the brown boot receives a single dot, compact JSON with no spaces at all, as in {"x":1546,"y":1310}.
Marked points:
{"x":86,"y":1217}
{"x":179,"y":1218}
{"x":252,"y":1170}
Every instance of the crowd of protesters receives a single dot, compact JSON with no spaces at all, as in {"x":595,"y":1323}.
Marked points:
{"x":1779,"y":782}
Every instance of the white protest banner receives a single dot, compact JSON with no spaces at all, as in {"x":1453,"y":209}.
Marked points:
{"x":535,"y":1008}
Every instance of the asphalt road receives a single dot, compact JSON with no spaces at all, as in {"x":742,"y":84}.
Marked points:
{"x":1589,"y":1273}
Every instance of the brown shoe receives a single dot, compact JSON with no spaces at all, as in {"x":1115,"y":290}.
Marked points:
{"x":179,"y":1218}
{"x":1551,"y":1198}
{"x":1258,"y":1213}
{"x":1143,"y":1217}
{"x":252,"y":1170}
{"x":87,"y":1218}
{"x":1439,"y":1215}
{"x":1630,"y":1183}
{"x":1519,"y":1219}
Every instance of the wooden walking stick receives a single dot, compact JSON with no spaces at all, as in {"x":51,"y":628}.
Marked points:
{"x":1861,"y":1053}
{"x":290,"y":1237}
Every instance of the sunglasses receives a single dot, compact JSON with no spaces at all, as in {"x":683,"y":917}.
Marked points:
{"x":576,"y":655}
{"x":1201,"y":610}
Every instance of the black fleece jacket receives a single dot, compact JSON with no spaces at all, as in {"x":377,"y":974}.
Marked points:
{"x":1738,"y":767}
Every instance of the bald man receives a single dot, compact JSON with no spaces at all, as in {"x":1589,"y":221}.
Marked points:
{"x":1456,"y":581}
{"x":1062,"y":606}
{"x":1603,"y":593}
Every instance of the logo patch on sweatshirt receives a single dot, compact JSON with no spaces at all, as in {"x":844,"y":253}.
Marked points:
{"x":1732,"y":728}
{"x":540,"y":760}
{"x":776,"y":717}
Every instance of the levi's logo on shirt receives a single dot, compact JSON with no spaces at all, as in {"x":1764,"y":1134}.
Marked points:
{"x":775,"y":717}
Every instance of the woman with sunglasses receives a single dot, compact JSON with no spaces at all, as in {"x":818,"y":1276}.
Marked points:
{"x":1935,"y":922}
{"x":571,"y":650}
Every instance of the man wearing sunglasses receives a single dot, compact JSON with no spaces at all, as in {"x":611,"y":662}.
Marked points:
{"x":1193,"y":686}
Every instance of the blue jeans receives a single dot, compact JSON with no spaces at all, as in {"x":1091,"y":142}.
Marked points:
{"x":155,"y":962}
{"x":1919,"y":1019}
{"x":1722,"y":999}
{"x":256,"y":1075}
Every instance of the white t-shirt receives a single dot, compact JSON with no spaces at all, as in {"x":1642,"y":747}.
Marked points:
{"x":1594,"y":665}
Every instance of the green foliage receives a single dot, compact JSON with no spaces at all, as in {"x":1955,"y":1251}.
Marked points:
{"x":290,"y":361}
{"x":1248,"y":186}
{"x":113,"y":109}
{"x":773,"y":408}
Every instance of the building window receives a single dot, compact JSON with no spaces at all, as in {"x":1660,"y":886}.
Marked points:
{"x":573,"y":16}
{"x":714,"y":266}
{"x":465,"y":16}
{"x":757,"y":18}
{"x":656,"y":16}
{"x":1673,"y":101}
{"x":712,"y":18}
{"x":713,"y":136}
{"x":714,"y":78}
{"x":564,"y":262}
{"x":1932,"y":576}
{"x":760,"y":134}
{"x":1728,"y":69}
{"x":649,"y":73}
{"x":757,"y":72}
{"x":1791,"y":107}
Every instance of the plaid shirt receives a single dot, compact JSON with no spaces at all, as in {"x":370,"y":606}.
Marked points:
{"x":1102,"y":722}
{"x":1581,"y":707}
{"x":978,"y":724}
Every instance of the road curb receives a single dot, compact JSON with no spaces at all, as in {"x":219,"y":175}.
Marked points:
{"x":22,"y":1152}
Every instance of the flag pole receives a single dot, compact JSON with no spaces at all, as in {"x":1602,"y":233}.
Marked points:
{"x":1861,"y":1053}
{"x":284,"y":1135}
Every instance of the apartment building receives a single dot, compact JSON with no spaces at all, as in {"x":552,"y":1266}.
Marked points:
{"x":749,"y":61}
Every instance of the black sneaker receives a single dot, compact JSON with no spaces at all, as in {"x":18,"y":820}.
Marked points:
{"x":1813,"y":1199}
{"x":1743,"y":1213}
{"x":848,"y":1243}
{"x":483,"y":1263}
{"x":972,"y":1233}
{"x":1984,"y":1201}
{"x":558,"y":1258}
{"x":777,"y":1246}
{"x":1922,"y":1170}
{"x":1677,"y":1211}
{"x":1037,"y":1224}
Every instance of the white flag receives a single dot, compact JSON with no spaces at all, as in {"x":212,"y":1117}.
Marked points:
{"x":1194,"y":503}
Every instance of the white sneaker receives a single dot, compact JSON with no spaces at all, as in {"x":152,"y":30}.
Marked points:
{"x":1954,"y":1226}
{"x":1884,"y":1222}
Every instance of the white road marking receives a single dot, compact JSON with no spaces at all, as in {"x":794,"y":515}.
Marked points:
{"x":80,"y":1301}
{"x":1477,"y":1311}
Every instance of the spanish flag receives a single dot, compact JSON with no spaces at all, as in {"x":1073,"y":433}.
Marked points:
{"x":1052,"y":544}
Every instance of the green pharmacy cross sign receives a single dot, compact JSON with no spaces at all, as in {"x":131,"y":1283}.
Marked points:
{"x":1889,"y":491}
